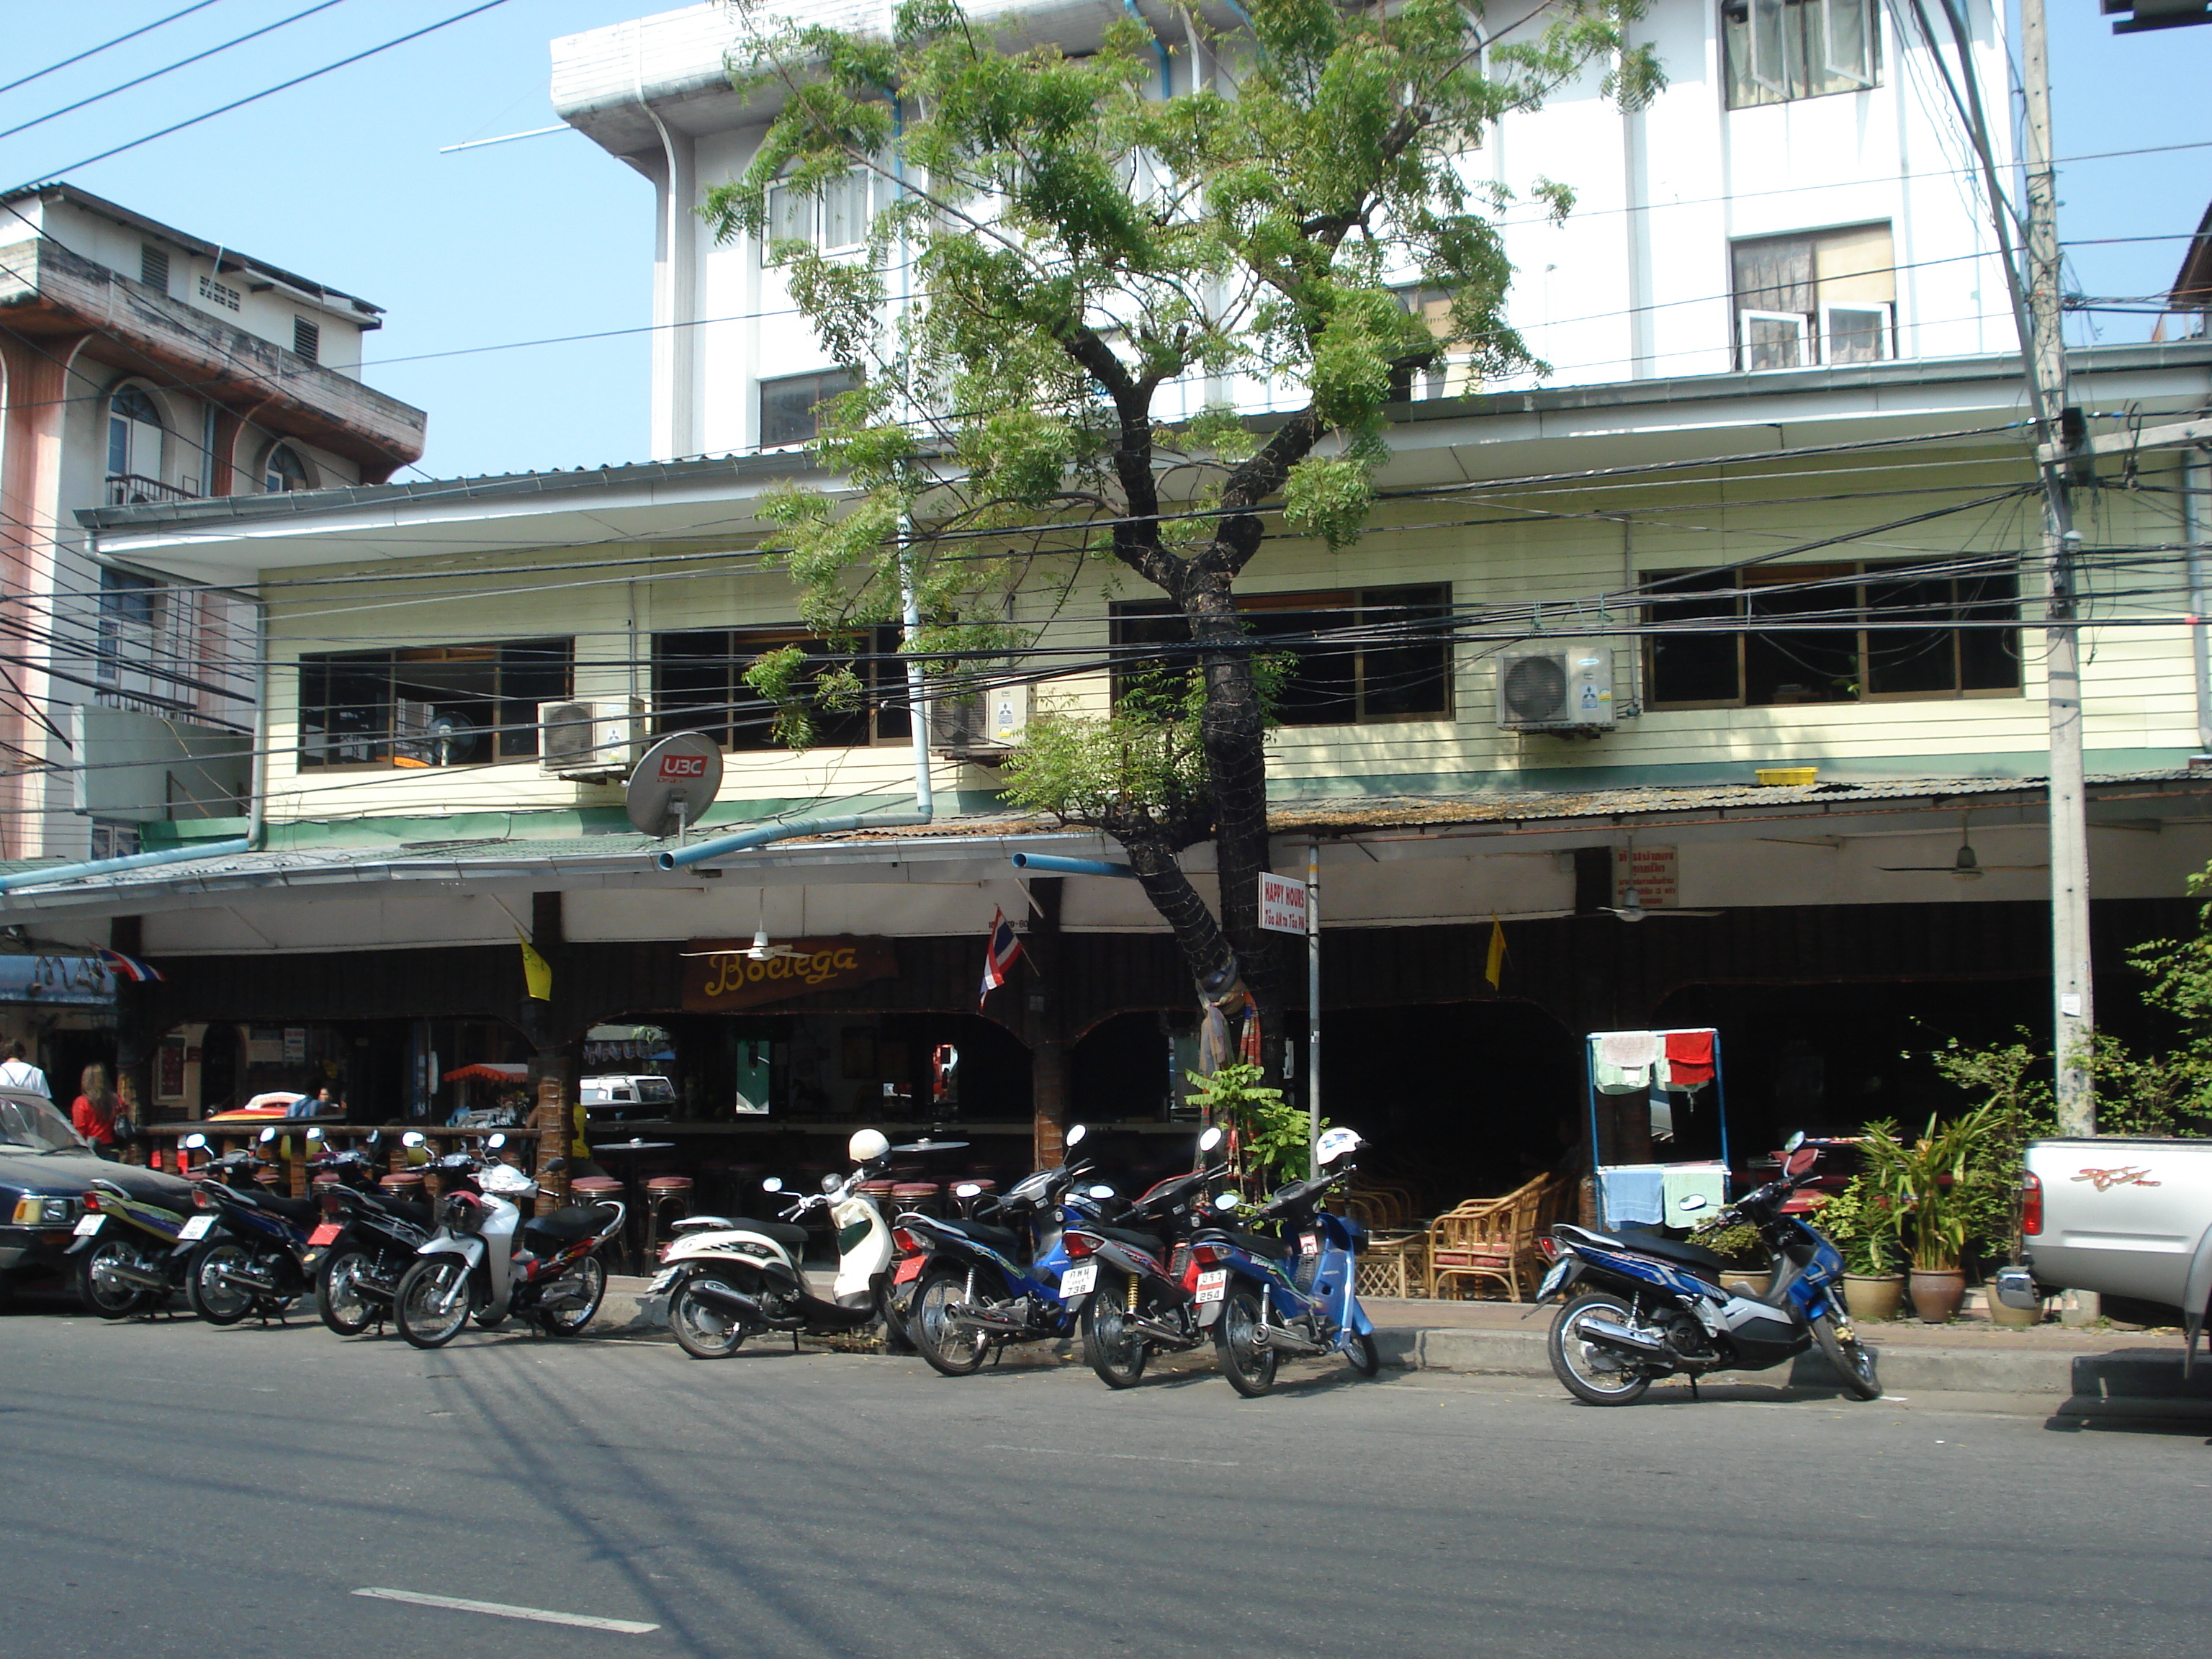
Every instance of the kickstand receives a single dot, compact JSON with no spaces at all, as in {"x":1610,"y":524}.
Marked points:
{"x":1693,"y":1390}
{"x":794,"y":1342}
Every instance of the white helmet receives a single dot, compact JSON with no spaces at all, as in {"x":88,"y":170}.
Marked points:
{"x":1337,"y":1143}
{"x":866,"y":1145}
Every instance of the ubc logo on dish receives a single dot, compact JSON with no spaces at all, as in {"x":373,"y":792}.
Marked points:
{"x":675,"y":768}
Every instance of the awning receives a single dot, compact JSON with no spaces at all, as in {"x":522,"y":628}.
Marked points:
{"x":492,"y":1071}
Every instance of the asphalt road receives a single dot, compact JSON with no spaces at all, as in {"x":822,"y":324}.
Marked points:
{"x":177,"y":1489}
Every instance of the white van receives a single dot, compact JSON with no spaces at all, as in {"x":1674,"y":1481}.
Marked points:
{"x":620,"y":1097}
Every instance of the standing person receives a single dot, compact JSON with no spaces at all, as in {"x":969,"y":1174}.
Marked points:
{"x":97,"y":1114}
{"x":17,"y":1072}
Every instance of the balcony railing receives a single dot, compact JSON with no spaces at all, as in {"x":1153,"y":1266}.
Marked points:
{"x":129,"y":490}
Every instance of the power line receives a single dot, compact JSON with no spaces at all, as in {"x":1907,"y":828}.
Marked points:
{"x":93,"y":51}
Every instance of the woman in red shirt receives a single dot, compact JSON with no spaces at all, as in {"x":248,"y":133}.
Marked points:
{"x":93,"y":1111}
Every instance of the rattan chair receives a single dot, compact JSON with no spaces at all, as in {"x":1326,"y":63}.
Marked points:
{"x":1489,"y":1239}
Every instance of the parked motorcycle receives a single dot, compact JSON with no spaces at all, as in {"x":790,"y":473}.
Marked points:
{"x":725,"y":1280}
{"x":486,"y":1259}
{"x":242,"y":1251}
{"x":1130,"y":1281}
{"x":1265,"y":1296}
{"x":982,"y":1281}
{"x":127,"y":1261}
{"x":1656,"y":1307}
{"x":365,"y":1241}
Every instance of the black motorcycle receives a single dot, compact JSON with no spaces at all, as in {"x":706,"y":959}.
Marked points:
{"x":241,"y":1253}
{"x":1132,"y":1278}
{"x":1656,"y":1307}
{"x":366,"y":1240}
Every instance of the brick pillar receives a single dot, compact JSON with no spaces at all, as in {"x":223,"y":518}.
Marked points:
{"x":1043,"y":1011}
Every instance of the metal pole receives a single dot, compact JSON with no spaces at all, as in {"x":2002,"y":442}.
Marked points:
{"x":2195,"y":478}
{"x":1313,"y":1010}
{"x":2072,"y":993}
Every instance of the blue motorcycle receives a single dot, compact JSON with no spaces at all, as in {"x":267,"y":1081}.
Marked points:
{"x":1656,"y":1307}
{"x":1266,"y":1297}
{"x":242,"y":1251}
{"x":982,"y":1281}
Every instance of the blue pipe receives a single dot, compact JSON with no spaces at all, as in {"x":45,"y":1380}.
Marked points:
{"x":1167,"y":74}
{"x":212,"y":850}
{"x":700,"y":852}
{"x":1052,"y":865}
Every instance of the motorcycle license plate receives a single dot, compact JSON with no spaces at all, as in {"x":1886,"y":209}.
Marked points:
{"x":1212,"y":1286}
{"x":1310,"y":1245}
{"x":908,"y":1269}
{"x":326,"y":1234}
{"x":1079,"y":1280}
{"x":1554,"y":1279}
{"x":198,"y":1227}
{"x":88,"y":1225}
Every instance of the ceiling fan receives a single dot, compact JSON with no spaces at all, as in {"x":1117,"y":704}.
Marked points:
{"x":1631,"y":908}
{"x":760,"y":949}
{"x":1967,"y":866}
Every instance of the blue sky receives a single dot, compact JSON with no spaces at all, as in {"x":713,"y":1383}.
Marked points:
{"x":342,"y":180}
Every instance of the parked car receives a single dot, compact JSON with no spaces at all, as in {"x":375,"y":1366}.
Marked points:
{"x":45,"y":1168}
{"x":643,"y":1096}
{"x":2120,"y":1217}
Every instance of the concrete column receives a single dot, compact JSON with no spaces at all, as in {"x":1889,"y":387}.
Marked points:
{"x":1044,"y":1012}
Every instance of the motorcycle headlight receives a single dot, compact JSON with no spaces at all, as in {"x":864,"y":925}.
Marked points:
{"x":38,"y":1210}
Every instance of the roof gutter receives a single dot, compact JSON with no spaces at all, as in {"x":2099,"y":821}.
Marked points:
{"x":701,"y":852}
{"x":96,"y":867}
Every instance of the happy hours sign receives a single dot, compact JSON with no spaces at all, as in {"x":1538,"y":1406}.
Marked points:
{"x":1282,"y":905}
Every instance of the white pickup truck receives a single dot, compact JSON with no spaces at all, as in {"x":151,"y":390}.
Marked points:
{"x":2119,"y":1217}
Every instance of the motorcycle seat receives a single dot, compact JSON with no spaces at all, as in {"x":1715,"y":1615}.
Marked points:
{"x":1145,"y":1242}
{"x":1003,"y":1240}
{"x":574,"y":1221}
{"x":399,"y":1209}
{"x":303,"y":1210}
{"x":789,"y":1234}
{"x":1274,"y":1249}
{"x":1695,"y":1257}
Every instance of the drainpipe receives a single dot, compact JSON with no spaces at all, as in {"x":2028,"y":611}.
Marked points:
{"x":2195,"y":478}
{"x":214,"y":849}
{"x":1167,"y":74}
{"x":701,"y":852}
{"x":256,"y":824}
{"x":1052,"y":865}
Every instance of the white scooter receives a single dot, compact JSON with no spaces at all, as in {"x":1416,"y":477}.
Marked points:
{"x":473,"y":1265}
{"x":725,"y":1280}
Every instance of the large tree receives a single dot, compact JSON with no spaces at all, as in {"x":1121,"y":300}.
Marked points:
{"x":1059,"y":249}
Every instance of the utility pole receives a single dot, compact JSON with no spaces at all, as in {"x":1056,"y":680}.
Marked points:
{"x":2072,"y":993}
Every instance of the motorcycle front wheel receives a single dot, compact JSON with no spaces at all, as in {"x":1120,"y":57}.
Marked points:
{"x":703,"y":1327}
{"x":1593,"y":1373}
{"x":100,"y":1290}
{"x":1113,"y":1350}
{"x":955,"y":1349}
{"x":419,"y":1308}
{"x":340,"y":1302}
{"x":1850,"y":1358}
{"x":1366,"y":1358}
{"x":1248,"y":1363}
{"x":580,"y":1291}
{"x":208,"y":1291}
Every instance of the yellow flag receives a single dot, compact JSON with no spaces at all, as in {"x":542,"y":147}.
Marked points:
{"x":1494,"y":969}
{"x":537,"y":972}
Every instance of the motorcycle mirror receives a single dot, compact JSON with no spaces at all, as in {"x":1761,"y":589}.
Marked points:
{"x":1225,"y":1202}
{"x":966,"y":1189}
{"x":195,"y":1143}
{"x":1211,"y":1139}
{"x":412,"y":1137}
{"x":375,"y":1139}
{"x":773,"y":1184}
{"x":314,"y":1135}
{"x":267,"y":1136}
{"x":1800,"y":1161}
{"x":1694,"y":1202}
{"x":830,"y":1184}
{"x":496,"y":1143}
{"x":1101,"y":1191}
{"x":1794,"y":1142}
{"x":1075,"y":1137}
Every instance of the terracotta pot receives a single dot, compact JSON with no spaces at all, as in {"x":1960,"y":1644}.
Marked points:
{"x":1936,"y":1294}
{"x":2020,"y":1318}
{"x":1874,"y":1298}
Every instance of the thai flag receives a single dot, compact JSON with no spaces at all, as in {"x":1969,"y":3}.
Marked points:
{"x":999,"y":956}
{"x":130,"y":968}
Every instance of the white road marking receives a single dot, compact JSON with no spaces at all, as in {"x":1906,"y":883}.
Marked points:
{"x":1124,"y":1457}
{"x":502,"y":1610}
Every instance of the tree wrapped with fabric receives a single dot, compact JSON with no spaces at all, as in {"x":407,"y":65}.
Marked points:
{"x":1058,"y":248}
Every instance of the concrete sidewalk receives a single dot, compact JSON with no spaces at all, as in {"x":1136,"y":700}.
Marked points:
{"x":2087,"y":1370}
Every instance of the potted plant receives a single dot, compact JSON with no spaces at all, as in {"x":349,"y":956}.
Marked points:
{"x":1937,"y":1185}
{"x":1864,"y":1228}
{"x":1737,"y":1243}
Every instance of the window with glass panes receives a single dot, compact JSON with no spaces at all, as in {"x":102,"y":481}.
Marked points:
{"x":430,"y":705}
{"x":698,"y":685}
{"x":1777,"y":51}
{"x":1861,"y":633}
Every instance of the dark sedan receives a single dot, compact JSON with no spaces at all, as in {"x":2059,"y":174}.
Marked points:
{"x":45,"y":1168}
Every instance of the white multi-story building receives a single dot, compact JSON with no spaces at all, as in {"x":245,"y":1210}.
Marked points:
{"x":140,"y":364}
{"x":1799,"y":195}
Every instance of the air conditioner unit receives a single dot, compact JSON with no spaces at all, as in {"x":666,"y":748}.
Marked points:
{"x":978,"y":725}
{"x":1566,"y":687}
{"x":590,"y":740}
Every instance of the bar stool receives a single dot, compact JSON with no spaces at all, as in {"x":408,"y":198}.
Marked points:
{"x":661,"y":1191}
{"x":880,"y":1192}
{"x":404,"y":1184}
{"x":917,"y":1195}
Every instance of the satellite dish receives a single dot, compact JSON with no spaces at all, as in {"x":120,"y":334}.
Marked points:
{"x":674,"y":783}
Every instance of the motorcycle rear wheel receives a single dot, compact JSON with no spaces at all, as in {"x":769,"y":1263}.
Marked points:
{"x":582,"y":1288}
{"x":703,"y":1329}
{"x":1850,"y":1359}
{"x":338,"y":1299}
{"x":1595,"y":1375}
{"x":109,"y":1300}
{"x":1249,"y":1367}
{"x":415,"y":1308}
{"x":210,"y":1295}
{"x":1110,"y":1347}
{"x":953,"y":1349}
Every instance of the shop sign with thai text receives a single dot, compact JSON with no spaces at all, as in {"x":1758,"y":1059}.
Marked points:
{"x":720,"y":975}
{"x":1282,"y":905}
{"x":1650,"y":872}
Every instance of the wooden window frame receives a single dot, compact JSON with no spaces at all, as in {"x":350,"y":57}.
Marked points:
{"x":742,"y":645}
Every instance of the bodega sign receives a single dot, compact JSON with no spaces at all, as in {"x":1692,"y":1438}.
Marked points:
{"x":1282,"y":904}
{"x":722,"y":975}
